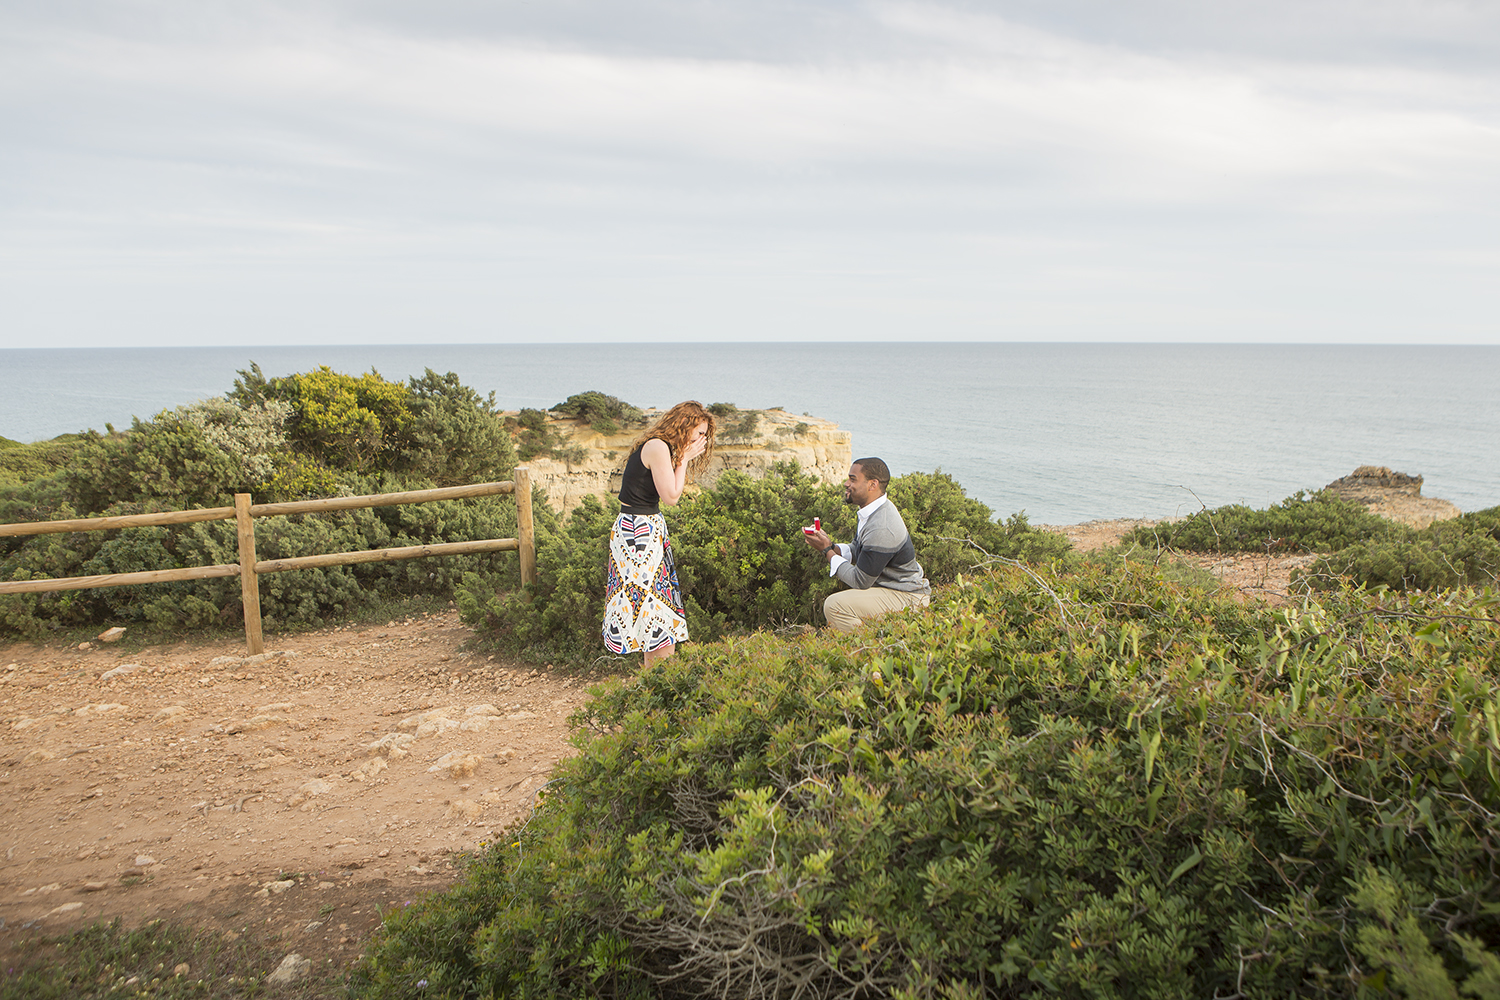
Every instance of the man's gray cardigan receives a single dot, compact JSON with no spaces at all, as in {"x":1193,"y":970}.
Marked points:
{"x":882,"y":555}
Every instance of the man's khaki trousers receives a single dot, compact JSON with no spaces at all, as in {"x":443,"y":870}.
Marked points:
{"x":848,"y":610}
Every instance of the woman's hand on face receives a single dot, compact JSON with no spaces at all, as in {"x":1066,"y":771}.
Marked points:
{"x":697,"y":444}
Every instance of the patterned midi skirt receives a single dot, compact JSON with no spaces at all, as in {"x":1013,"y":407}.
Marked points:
{"x":643,"y":607}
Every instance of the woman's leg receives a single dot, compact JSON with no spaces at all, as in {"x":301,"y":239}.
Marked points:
{"x":652,"y":655}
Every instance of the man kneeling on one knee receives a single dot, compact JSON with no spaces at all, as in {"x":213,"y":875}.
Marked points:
{"x":880,"y":565}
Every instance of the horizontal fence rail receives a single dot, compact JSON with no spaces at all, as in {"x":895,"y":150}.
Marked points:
{"x":263,"y":509}
{"x":248,"y":569}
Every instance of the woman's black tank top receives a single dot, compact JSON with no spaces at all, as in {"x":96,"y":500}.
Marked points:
{"x":637,"y":489}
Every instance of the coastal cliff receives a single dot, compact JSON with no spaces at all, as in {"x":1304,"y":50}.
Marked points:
{"x":1395,"y":496}
{"x":581,"y":461}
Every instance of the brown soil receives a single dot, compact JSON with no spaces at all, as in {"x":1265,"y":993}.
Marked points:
{"x":1250,"y":575}
{"x":1093,"y":535}
{"x":245,"y":795}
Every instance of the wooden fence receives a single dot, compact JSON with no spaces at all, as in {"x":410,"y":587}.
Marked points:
{"x":248,"y":568}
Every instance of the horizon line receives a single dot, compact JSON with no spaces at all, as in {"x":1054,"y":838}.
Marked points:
{"x":723,"y":343}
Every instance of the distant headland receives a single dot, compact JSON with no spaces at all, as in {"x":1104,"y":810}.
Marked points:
{"x":575,"y":458}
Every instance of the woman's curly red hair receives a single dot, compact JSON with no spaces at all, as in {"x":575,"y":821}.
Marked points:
{"x":676,"y":428}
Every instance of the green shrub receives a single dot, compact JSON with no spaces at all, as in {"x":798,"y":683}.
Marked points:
{"x":741,"y":558}
{"x":299,"y":477}
{"x":1485,"y":521}
{"x":736,"y":426}
{"x":559,"y":619}
{"x":42,"y":499}
{"x":254,"y":436}
{"x":1303,"y":522}
{"x":1358,"y":546}
{"x":344,"y":422}
{"x":953,"y":533}
{"x":1104,"y":788}
{"x":24,"y":463}
{"x":170,"y":461}
{"x":1456,"y":553}
{"x":433,"y":432}
{"x":299,"y":598}
{"x":605,"y":414}
{"x":532,"y":435}
{"x":456,"y":435}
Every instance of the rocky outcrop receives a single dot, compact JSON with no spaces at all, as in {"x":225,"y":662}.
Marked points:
{"x":587,"y":462}
{"x":1392,"y":495}
{"x":1375,"y":483}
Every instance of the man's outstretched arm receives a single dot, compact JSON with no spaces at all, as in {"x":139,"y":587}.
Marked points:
{"x":862,"y":574}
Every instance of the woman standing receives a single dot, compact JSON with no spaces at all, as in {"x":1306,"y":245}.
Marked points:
{"x":643,"y":607}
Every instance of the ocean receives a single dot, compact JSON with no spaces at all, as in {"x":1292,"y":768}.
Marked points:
{"x":1066,"y":432}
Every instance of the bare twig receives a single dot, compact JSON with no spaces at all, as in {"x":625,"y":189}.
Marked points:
{"x":771,"y":851}
{"x":990,"y":559}
{"x":1203,"y":508}
{"x":1266,"y":730}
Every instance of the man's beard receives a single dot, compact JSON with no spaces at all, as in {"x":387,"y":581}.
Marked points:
{"x":849,"y":499}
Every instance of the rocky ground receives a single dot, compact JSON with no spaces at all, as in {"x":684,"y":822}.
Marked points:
{"x":293,"y":796}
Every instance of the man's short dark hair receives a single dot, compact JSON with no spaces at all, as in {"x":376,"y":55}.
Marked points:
{"x":875,"y":469}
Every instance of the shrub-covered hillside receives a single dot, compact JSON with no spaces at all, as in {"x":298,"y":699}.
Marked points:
{"x":311,"y":434}
{"x":1356,"y":546}
{"x":1462,"y":552}
{"x":321,"y":433}
{"x":740,"y":556}
{"x":1082,"y":784}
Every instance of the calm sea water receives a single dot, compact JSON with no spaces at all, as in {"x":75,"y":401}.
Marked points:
{"x":1066,"y":432}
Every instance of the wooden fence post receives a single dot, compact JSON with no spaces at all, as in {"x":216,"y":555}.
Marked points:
{"x":525,"y":529}
{"x":249,"y":585}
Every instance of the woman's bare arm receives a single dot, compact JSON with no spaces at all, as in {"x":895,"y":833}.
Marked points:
{"x":656,"y":456}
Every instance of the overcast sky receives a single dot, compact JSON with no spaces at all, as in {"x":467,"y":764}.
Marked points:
{"x":456,"y":171}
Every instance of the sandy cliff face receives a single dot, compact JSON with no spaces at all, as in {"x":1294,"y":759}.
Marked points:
{"x":591,"y":463}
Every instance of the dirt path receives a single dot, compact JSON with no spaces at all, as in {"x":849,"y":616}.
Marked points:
{"x":292,"y":796}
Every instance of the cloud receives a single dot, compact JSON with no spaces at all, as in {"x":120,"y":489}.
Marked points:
{"x":982,"y":89}
{"x":911,"y":150}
